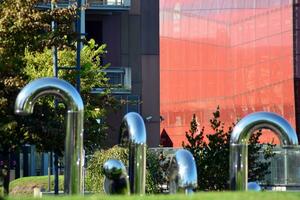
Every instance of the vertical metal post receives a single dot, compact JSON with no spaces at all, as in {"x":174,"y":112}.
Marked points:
{"x":134,"y":125}
{"x":55,"y":173}
{"x":25,"y":161}
{"x":54,"y":48}
{"x":18,"y":164}
{"x":49,"y":171}
{"x":285,"y":165}
{"x":55,"y":73}
{"x":32,"y":161}
{"x":80,"y":31}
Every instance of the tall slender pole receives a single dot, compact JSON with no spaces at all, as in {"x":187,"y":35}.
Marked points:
{"x":49,"y":171}
{"x":55,"y":73}
{"x":80,"y":32}
{"x":80,"y":29}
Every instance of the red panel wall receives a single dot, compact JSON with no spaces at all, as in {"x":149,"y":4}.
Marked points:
{"x":234,"y":53}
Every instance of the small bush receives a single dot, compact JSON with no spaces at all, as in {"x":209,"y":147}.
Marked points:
{"x":95,"y":175}
{"x":212,"y":157}
{"x":94,"y":172}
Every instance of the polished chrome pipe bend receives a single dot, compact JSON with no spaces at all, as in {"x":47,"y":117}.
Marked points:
{"x":116,"y":178}
{"x":133,"y":134}
{"x":241,"y":133}
{"x":182,"y":172}
{"x":74,"y":156}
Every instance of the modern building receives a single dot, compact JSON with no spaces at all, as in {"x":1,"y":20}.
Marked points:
{"x":131,"y":31}
{"x":179,"y":57}
{"x":130,"y":28}
{"x":241,"y":55}
{"x":174,"y":58}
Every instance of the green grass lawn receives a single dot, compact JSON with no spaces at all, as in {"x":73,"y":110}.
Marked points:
{"x":197,"y":196}
{"x":25,"y":185}
{"x":23,"y":189}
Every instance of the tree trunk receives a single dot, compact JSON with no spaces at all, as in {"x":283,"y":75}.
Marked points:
{"x":5,"y":172}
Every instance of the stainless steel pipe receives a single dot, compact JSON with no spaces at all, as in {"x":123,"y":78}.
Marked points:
{"x":74,"y":156}
{"x":116,"y":178}
{"x":238,"y":160}
{"x":182,"y":172}
{"x":133,"y":134}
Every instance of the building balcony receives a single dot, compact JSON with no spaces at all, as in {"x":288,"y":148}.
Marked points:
{"x":90,"y":4}
{"x":119,"y":79}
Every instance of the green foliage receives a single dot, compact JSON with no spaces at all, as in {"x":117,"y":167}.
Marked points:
{"x":94,"y":172}
{"x":25,"y":41}
{"x":48,"y":121}
{"x":194,"y":138}
{"x":95,"y":175}
{"x":40,"y":64}
{"x":258,"y":169}
{"x":23,"y":26}
{"x":217,"y":155}
{"x":24,"y":186}
{"x":154,"y":174}
{"x":196,"y":145}
{"x":212,"y":158}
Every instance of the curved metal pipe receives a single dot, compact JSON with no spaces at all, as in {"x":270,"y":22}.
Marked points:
{"x":133,"y":134}
{"x":116,"y":179}
{"x":74,"y":156}
{"x":182,"y":172}
{"x":239,"y":143}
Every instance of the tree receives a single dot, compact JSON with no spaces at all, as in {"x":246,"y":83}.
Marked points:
{"x":217,"y":155}
{"x":259,"y":169}
{"x":196,"y":145}
{"x":47,"y":124}
{"x":23,"y":26}
{"x":213,"y":159}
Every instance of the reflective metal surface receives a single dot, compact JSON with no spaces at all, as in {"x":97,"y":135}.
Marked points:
{"x":182,"y":172}
{"x":240,"y":137}
{"x":116,"y":178}
{"x":74,"y":157}
{"x":253,"y":186}
{"x":133,"y":134}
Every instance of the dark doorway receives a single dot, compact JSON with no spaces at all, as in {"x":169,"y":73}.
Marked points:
{"x":94,"y":30}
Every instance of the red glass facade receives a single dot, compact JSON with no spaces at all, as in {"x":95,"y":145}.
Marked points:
{"x":237,"y":54}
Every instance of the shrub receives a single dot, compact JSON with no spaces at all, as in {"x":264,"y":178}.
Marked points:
{"x":94,"y":172}
{"x":46,"y":126}
{"x":95,"y":175}
{"x":212,"y":158}
{"x":154,"y":174}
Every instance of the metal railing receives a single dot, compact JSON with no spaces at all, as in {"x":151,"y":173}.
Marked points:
{"x":284,"y":168}
{"x":90,"y":4}
{"x":95,"y":3}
